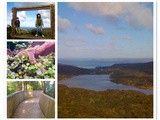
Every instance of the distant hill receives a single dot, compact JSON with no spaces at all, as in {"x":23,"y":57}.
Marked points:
{"x":142,"y":67}
{"x":68,"y":69}
{"x":73,"y":70}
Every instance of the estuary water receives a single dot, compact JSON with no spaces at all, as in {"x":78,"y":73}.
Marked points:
{"x":99,"y":83}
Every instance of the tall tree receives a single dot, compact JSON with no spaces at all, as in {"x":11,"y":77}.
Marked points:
{"x":44,"y":86}
{"x":23,"y":86}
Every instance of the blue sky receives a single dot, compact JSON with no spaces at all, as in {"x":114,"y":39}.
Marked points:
{"x":28,"y":18}
{"x":105,"y":30}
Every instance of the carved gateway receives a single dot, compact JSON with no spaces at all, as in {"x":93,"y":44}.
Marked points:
{"x":51,"y":7}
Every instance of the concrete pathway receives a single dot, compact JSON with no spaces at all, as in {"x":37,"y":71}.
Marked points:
{"x":29,"y":109}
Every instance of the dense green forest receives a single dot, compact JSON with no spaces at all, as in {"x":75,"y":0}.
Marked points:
{"x":81,"y":103}
{"x":133,"y":78}
{"x":47,"y":87}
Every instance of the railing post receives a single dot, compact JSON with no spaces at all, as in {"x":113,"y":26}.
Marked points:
{"x":52,"y":18}
{"x":14,"y":15}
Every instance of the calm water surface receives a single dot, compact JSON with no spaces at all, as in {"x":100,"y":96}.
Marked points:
{"x":98,"y":83}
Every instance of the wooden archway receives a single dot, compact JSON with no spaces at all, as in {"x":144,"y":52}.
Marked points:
{"x":51,"y":7}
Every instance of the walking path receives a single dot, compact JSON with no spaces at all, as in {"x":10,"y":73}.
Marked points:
{"x":29,"y":109}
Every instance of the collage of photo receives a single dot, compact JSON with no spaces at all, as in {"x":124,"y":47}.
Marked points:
{"x":30,"y":57}
{"x":81,"y":60}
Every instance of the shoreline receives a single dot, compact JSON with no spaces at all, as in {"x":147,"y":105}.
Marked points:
{"x":70,"y":76}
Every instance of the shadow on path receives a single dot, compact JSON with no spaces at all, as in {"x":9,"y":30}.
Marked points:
{"x":29,"y":109}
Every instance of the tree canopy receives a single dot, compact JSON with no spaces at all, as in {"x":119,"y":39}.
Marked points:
{"x":47,"y":86}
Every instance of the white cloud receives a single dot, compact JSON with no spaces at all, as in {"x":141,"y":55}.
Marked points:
{"x":45,"y":13}
{"x":22,"y":15}
{"x":25,"y":20}
{"x":64,"y":24}
{"x":96,"y":30}
{"x":135,"y":14}
{"x":46,"y":22}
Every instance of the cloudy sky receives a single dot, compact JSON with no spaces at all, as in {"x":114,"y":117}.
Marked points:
{"x":105,"y":30}
{"x":28,"y":18}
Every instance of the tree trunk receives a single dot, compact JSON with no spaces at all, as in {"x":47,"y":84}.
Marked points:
{"x":53,"y":90}
{"x":44,"y":86}
{"x":23,"y":88}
